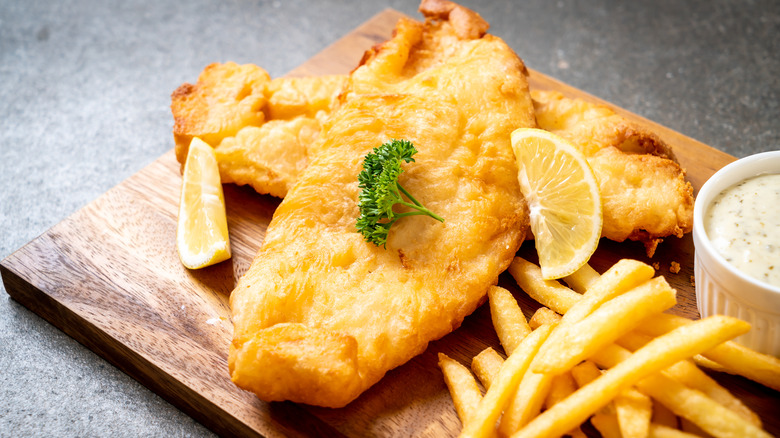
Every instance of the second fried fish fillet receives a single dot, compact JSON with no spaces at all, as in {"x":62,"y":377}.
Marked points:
{"x":321,"y":315}
{"x":644,"y":194}
{"x":260,"y":128}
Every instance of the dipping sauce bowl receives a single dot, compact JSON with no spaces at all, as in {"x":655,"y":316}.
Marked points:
{"x":723,"y":288}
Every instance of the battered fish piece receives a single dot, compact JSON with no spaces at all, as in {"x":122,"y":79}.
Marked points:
{"x":644,"y":194}
{"x":260,"y":128}
{"x":321,"y":315}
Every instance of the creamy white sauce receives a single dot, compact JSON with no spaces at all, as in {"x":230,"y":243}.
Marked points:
{"x":743,"y":223}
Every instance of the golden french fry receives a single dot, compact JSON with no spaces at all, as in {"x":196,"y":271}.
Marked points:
{"x":526,"y":403}
{"x":561,"y":387}
{"x":689,"y":374}
{"x":693,"y":377}
{"x":683,"y":401}
{"x":597,"y":319}
{"x":483,"y":421}
{"x":634,"y":411}
{"x":662,"y":431}
{"x":548,"y":293}
{"x":733,"y":357}
{"x":710,"y":364}
{"x":543,"y":315}
{"x":623,"y":276}
{"x":486,"y":366}
{"x":463,"y":388}
{"x":607,"y":425}
{"x":508,"y":320}
{"x":585,"y":372}
{"x":707,"y":414}
{"x":582,"y":279}
{"x":658,"y":354}
{"x":570,"y":344}
{"x":729,"y":357}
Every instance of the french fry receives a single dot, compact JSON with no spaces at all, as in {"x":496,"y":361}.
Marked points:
{"x":663,"y":431}
{"x":526,"y":403}
{"x":607,"y":425}
{"x":688,"y":403}
{"x":707,"y":414}
{"x":660,"y":353}
{"x":488,"y":411}
{"x":548,"y":293}
{"x":709,"y":364}
{"x":543,"y":315}
{"x":623,"y":276}
{"x":634,"y":411}
{"x":486,"y":366}
{"x":585,"y":372}
{"x":508,"y":320}
{"x":689,"y":374}
{"x":463,"y":388}
{"x":582,"y":279}
{"x":561,"y":387}
{"x":729,"y":357}
{"x":587,"y":331}
{"x":570,"y":344}
{"x":733,"y":357}
{"x":693,"y":377}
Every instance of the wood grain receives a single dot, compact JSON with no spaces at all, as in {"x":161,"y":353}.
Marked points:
{"x":109,"y":276}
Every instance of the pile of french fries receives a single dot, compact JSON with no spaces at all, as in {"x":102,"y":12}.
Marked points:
{"x":602,"y":350}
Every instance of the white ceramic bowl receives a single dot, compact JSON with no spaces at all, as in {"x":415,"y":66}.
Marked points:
{"x":720,"y":287}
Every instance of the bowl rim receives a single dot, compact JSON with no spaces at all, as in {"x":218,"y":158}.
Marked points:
{"x":734,"y":172}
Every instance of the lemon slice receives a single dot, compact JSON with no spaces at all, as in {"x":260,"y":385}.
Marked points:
{"x":202,"y":234}
{"x":563,"y":198}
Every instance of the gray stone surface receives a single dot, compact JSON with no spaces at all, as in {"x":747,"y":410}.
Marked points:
{"x":84,"y":95}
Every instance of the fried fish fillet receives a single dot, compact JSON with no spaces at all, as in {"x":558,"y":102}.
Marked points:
{"x":260,"y":128}
{"x":645,"y":196}
{"x":321,"y":315}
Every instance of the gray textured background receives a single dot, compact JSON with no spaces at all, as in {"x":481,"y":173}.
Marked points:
{"x":84,"y":103}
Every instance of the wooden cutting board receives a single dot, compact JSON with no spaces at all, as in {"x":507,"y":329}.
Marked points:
{"x":109,"y":276}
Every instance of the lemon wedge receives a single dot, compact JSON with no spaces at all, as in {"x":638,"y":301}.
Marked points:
{"x":563,"y":197}
{"x":202,"y":234}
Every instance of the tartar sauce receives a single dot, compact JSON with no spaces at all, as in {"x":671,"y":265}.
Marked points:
{"x":743,"y":223}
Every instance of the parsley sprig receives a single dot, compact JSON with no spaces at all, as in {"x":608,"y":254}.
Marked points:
{"x":380,"y":191}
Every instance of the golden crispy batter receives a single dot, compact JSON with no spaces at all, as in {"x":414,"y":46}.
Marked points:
{"x":260,"y":128}
{"x":226,"y":98}
{"x":321,"y":314}
{"x":645,"y":196}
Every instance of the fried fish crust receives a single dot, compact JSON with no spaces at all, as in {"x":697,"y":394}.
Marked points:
{"x":260,"y":128}
{"x":645,"y":196}
{"x":321,"y":315}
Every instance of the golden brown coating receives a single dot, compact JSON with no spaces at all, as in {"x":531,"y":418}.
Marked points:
{"x":260,"y":128}
{"x":226,"y":98}
{"x":645,"y":196}
{"x":321,"y":315}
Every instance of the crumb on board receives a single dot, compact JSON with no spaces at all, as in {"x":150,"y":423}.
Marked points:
{"x":674,"y":268}
{"x":656,"y":266}
{"x":693,"y":281}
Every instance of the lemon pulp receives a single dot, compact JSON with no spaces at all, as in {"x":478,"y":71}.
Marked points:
{"x":563,"y":198}
{"x":202,"y":234}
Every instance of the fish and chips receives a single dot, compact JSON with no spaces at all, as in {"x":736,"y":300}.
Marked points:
{"x":322,"y":314}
